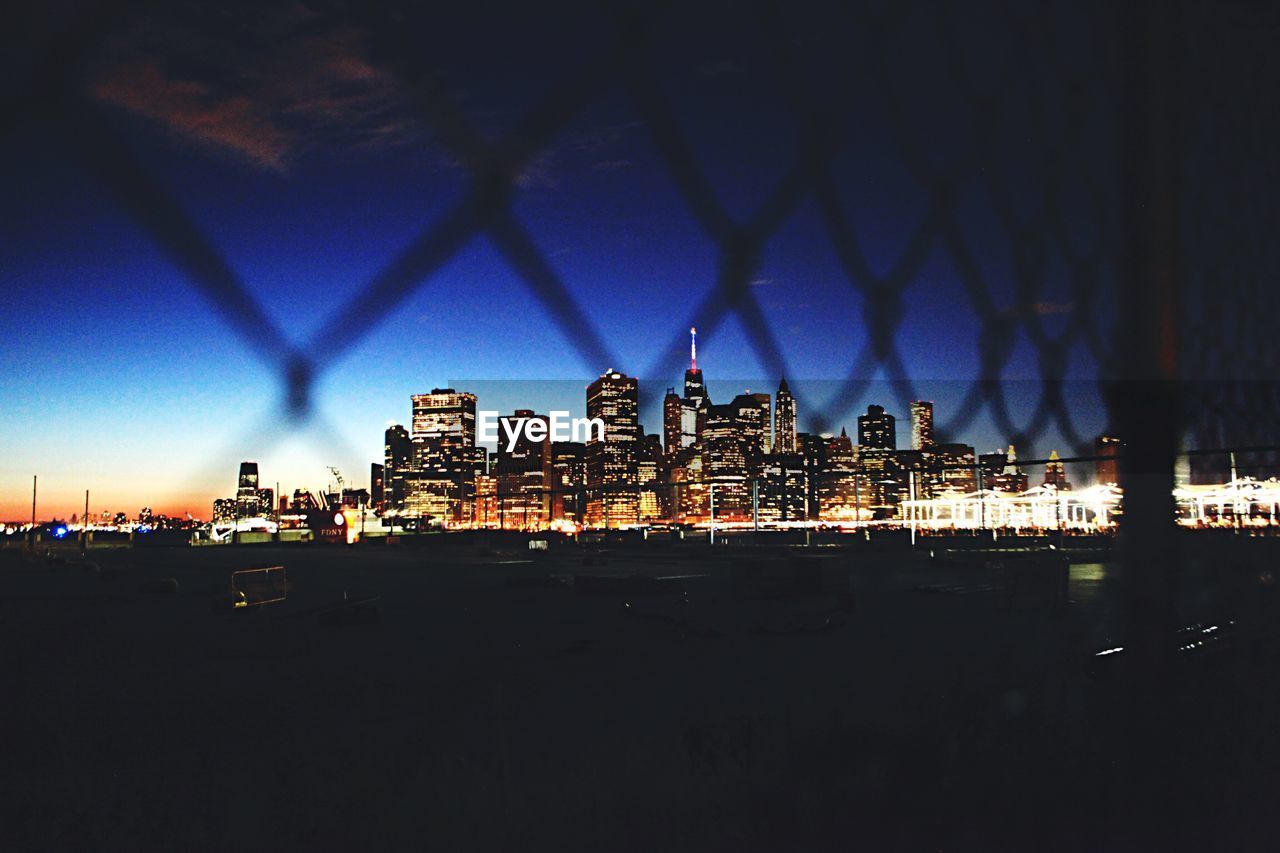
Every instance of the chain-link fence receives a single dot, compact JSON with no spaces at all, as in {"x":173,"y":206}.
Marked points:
{"x":1076,"y":169}
{"x":1115,"y":186}
{"x":1094,"y":181}
{"x":1061,"y":235}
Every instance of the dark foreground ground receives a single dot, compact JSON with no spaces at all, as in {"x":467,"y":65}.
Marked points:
{"x":485,"y":702}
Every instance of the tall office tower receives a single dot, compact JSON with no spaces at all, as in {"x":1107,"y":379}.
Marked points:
{"x":921,"y":425}
{"x":1055,"y":473}
{"x":841,"y":490}
{"x":752,"y":413}
{"x":671,"y":422}
{"x":990,"y":466}
{"x":443,"y":430}
{"x":876,"y":429}
{"x":725,"y":459}
{"x":476,"y":461}
{"x":954,"y":469}
{"x":783,"y":488}
{"x":248,"y":501}
{"x":693,"y":406}
{"x":485,"y":509}
{"x":1000,"y":471}
{"x":908,"y":470}
{"x":377,"y":484}
{"x":612,"y":493}
{"x":693,"y":417}
{"x":1107,"y":466}
{"x":224,"y":510}
{"x":568,"y":478}
{"x":784,"y":421}
{"x":479,"y":459}
{"x":397,"y":460}
{"x":687,"y":495}
{"x":814,"y":450}
{"x":445,"y":413}
{"x":649,"y":476}
{"x":524,"y":472}
{"x":693,"y":387}
{"x":1012,"y":477}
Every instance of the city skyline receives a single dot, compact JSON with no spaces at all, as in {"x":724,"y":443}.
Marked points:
{"x":319,"y":478}
{"x":151,"y":476}
{"x":126,"y":376}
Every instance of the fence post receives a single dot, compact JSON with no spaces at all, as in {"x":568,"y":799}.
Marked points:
{"x":1143,"y":401}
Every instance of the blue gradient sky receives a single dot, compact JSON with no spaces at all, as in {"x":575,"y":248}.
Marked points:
{"x":119,"y":377}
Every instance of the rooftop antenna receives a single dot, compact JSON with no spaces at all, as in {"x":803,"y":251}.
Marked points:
{"x":693,"y":346}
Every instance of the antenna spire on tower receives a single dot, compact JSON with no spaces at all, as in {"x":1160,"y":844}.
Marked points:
{"x":693,"y":346}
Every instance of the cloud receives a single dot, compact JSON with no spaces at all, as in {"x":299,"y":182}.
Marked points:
{"x":191,"y":109}
{"x":267,"y":98}
{"x":273,"y":85}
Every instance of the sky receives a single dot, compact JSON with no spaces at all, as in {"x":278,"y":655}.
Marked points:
{"x":292,"y":139}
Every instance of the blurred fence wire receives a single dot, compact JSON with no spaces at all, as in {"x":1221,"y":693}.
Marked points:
{"x":1102,"y":130}
{"x":1142,"y":194}
{"x":1066,"y":73}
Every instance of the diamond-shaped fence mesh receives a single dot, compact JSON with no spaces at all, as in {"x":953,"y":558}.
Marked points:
{"x":1094,"y":181}
{"x":1062,"y":137}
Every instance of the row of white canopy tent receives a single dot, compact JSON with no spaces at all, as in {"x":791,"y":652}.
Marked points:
{"x":1243,"y":500}
{"x":1041,"y":507}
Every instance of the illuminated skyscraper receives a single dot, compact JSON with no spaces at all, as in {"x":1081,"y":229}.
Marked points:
{"x":841,"y":490}
{"x":784,"y":421}
{"x":783,"y":488}
{"x":877,"y":444}
{"x":248,"y":501}
{"x":568,"y":478}
{"x":224,"y":510}
{"x":752,"y":415}
{"x":443,"y":430}
{"x":485,"y":510}
{"x":377,"y":484}
{"x":524,"y":473}
{"x":694,"y":389}
{"x":813,"y":448}
{"x":671,"y":409}
{"x":1055,"y":473}
{"x":725,"y":455}
{"x":689,"y":490}
{"x":876,"y":429}
{"x":649,"y":474}
{"x":396,"y":463}
{"x":922,"y":425}
{"x":445,"y":413}
{"x":954,"y":468}
{"x":1000,"y":471}
{"x":612,"y":476}
{"x":693,"y":409}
